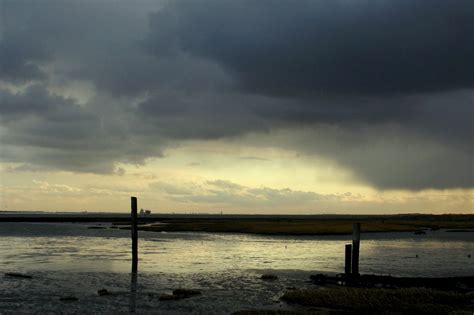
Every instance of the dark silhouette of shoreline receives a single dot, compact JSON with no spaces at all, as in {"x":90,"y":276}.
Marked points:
{"x":260,"y":224}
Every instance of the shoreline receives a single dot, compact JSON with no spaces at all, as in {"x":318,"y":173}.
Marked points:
{"x":309,"y":227}
{"x":277,"y":225}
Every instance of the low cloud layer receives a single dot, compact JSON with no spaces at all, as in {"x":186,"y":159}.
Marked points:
{"x":229,"y":194}
{"x":384,"y":89}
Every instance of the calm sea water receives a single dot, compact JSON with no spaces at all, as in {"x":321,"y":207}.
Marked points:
{"x":69,"y":259}
{"x":74,"y":247}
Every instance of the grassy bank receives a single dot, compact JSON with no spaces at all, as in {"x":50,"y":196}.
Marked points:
{"x":272,"y":312}
{"x":376,"y":301}
{"x":305,"y":227}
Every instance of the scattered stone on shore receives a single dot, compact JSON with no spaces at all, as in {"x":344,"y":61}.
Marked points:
{"x":283,"y":312}
{"x":17,"y":275}
{"x":186,"y":292}
{"x":359,"y":300}
{"x":169,"y":297}
{"x":179,"y":294}
{"x":68,"y":299}
{"x":121,"y":223}
{"x":103,"y":292}
{"x":420,"y":232}
{"x":465,"y":284}
{"x":319,"y":279}
{"x":269,"y":277}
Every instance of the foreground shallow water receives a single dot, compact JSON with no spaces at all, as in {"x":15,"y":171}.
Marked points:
{"x":70,"y":259}
{"x":221,"y":292}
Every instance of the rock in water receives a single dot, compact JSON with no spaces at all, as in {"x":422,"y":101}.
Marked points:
{"x":186,"y":292}
{"x":269,"y":277}
{"x":17,"y":275}
{"x":420,"y":232}
{"x":168,"y":297}
{"x":320,"y":279}
{"x":103,"y":292}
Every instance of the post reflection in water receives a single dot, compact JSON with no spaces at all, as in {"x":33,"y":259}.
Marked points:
{"x":134,"y":235}
{"x":133,"y":292}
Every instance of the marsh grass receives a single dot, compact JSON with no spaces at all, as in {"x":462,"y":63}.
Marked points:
{"x":301,"y":227}
{"x":273,"y":312}
{"x":375,"y":301}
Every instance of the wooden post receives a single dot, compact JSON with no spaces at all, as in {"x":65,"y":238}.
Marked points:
{"x":355,"y":248}
{"x":348,"y":257}
{"x":134,"y":236}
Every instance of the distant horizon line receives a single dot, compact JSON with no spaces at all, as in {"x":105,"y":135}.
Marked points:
{"x":232,"y":214}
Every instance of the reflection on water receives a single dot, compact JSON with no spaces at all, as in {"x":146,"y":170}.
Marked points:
{"x":72,"y":247}
{"x":133,"y":292}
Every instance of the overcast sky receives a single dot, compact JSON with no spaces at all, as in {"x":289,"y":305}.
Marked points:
{"x":341,"y":106}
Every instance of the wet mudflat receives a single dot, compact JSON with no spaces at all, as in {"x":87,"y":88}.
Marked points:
{"x":69,"y":264}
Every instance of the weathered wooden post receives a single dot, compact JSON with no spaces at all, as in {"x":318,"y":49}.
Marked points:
{"x":355,"y":248}
{"x":348,"y":257}
{"x":134,"y":236}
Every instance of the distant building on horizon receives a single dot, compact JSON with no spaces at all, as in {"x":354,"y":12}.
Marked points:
{"x":144,"y":212}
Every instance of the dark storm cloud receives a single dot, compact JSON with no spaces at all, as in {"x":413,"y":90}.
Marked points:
{"x":90,"y":40}
{"x":388,"y":156}
{"x":327,"y":47}
{"x":57,"y":133}
{"x":349,"y":64}
{"x":14,"y":62}
{"x":17,"y":48}
{"x":38,"y":101}
{"x":206,"y":115}
{"x":179,"y":70}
